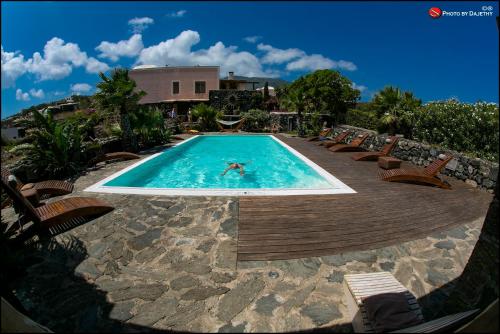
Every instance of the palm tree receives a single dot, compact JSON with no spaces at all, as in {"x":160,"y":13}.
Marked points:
{"x":118,"y":93}
{"x":207,"y":116}
{"x":295,"y":100}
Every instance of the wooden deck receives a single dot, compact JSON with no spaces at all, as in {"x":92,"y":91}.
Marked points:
{"x":379,"y":215}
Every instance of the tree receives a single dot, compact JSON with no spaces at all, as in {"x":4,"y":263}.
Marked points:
{"x":295,"y":100}
{"x":395,"y":110}
{"x":207,"y":116}
{"x":266,"y":91}
{"x":323,"y":91}
{"x":117,"y":93}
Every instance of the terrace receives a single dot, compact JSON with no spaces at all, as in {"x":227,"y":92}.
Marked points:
{"x":250,"y":263}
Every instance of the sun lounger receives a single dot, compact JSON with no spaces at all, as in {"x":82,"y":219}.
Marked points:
{"x":359,"y":287}
{"x":366,"y":156}
{"x":335,"y":141}
{"x":353,"y":146}
{"x":322,"y":135}
{"x":427,"y":175}
{"x":114,"y":156}
{"x":44,"y":188}
{"x":58,"y":212}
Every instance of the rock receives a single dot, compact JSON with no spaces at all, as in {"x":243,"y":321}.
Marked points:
{"x":458,"y":233}
{"x":192,"y":267}
{"x":493,"y":173}
{"x":206,"y":246}
{"x":298,"y":298}
{"x":441,"y":263}
{"x":436,"y":278}
{"x":251,"y":264}
{"x":471,"y":183}
{"x":336,"y":277}
{"x":452,"y":165}
{"x":126,"y":257}
{"x":97,"y":249}
{"x":136,"y":226}
{"x":172,"y":257}
{"x":109,"y":285}
{"x":445,"y":244}
{"x":365,"y":257}
{"x":266,"y":305}
{"x":87,"y":269}
{"x":150,"y":313}
{"x":203,"y":292}
{"x":470,"y":169}
{"x":112,"y":269}
{"x":144,"y":240}
{"x":116,"y":249}
{"x":122,"y":311}
{"x":226,"y":255}
{"x":334,"y":260}
{"x":321,"y":313}
{"x":302,"y":268}
{"x":143,"y":291}
{"x":184,"y":282}
{"x":228,"y":328}
{"x":149,"y":254}
{"x":234,"y":301}
{"x":229,"y":227}
{"x":387,"y":266}
{"x":184,"y":315}
{"x":222,"y":277}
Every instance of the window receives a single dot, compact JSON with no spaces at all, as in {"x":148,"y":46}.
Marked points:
{"x":199,"y":87}
{"x":175,"y":87}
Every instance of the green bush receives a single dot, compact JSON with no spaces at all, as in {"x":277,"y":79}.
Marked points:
{"x":149,"y":126}
{"x":256,"y":120}
{"x":362,"y":118}
{"x":207,"y":116}
{"x":471,"y":128}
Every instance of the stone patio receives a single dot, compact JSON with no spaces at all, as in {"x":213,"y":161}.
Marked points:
{"x":170,"y":264}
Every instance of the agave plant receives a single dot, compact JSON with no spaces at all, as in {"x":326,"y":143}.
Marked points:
{"x":207,"y":116}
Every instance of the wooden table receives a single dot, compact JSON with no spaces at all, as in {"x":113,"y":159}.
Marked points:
{"x":389,"y":162}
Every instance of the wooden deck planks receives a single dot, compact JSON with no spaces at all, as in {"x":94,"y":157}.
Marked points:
{"x":379,"y":215}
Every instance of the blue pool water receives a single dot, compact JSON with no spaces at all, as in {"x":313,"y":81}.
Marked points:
{"x":199,"y":162}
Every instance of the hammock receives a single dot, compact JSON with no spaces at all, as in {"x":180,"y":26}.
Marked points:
{"x":230,"y":123}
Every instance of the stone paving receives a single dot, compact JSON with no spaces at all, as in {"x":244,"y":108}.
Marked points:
{"x":170,"y":263}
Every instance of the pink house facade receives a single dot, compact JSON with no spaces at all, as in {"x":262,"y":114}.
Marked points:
{"x":176,"y":84}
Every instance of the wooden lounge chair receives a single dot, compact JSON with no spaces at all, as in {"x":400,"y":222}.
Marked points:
{"x":323,"y":134}
{"x":360,"y":286}
{"x":427,"y":175}
{"x":366,"y":156}
{"x":353,"y":146}
{"x":58,"y":212}
{"x":44,"y":188}
{"x":335,"y":141}
{"x":113,"y":156}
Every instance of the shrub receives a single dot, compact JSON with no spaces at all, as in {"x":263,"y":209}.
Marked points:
{"x":207,"y":116}
{"x":256,"y":120}
{"x":362,"y":118}
{"x":466,"y":127}
{"x":149,"y":126}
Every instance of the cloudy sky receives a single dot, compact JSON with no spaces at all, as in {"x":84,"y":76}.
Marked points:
{"x":51,"y":50}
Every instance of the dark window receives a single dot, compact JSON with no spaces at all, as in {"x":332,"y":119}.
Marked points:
{"x":199,"y":87}
{"x":175,"y":87}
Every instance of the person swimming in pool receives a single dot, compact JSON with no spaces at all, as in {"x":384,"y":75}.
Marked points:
{"x":235,"y":165}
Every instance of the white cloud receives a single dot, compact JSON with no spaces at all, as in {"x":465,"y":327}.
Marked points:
{"x":298,"y":60}
{"x":179,"y":13}
{"x":37,"y":93}
{"x":58,"y":60}
{"x":80,"y":88}
{"x":126,"y":48}
{"x":279,"y":56}
{"x":13,"y":66}
{"x":252,"y":39}
{"x":139,"y":24}
{"x":58,"y":93}
{"x":20,"y":96}
{"x":361,"y":88}
{"x":178,"y":51}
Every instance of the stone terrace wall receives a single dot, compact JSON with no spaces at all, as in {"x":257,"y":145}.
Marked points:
{"x":474,"y":171}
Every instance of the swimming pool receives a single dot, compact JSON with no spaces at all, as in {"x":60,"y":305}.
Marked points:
{"x":194,"y":167}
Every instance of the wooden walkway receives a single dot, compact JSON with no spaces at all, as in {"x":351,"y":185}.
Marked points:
{"x":380,"y":214}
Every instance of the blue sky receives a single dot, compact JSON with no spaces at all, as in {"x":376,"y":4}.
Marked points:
{"x":51,"y":49}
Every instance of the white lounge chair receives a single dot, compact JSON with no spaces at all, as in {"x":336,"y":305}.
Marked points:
{"x":359,"y":286}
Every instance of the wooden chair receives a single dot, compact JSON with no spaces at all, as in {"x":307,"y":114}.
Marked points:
{"x":114,"y":156}
{"x":58,"y":212}
{"x":359,"y":286}
{"x":366,"y":156}
{"x":335,"y":141}
{"x":427,"y":175}
{"x":323,"y":134}
{"x":44,"y":188}
{"x":353,"y":146}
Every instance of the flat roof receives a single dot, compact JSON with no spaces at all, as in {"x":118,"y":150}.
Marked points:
{"x":172,"y":67}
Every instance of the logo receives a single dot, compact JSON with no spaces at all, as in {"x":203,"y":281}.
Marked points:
{"x":435,"y":12}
